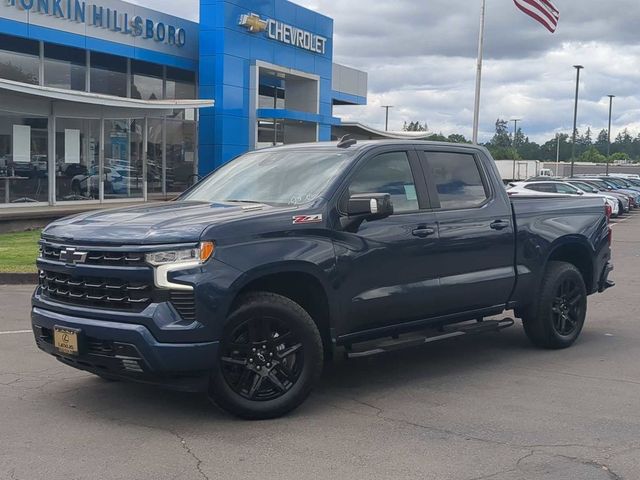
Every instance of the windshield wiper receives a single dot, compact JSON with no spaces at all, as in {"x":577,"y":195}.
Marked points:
{"x":241,"y":201}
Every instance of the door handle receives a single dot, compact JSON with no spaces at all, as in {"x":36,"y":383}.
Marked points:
{"x":423,"y":232}
{"x":499,"y":225}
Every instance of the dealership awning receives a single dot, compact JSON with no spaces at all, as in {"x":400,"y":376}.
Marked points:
{"x":88,"y":98}
{"x":361,"y":131}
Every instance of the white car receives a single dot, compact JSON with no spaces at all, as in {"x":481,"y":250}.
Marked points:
{"x":559,"y":188}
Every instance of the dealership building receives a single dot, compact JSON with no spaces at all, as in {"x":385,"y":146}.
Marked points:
{"x":105,"y":101}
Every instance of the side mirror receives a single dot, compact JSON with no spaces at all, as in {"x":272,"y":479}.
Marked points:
{"x":371,"y":206}
{"x":580,"y":193}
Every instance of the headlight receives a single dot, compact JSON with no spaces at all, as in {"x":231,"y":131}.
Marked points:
{"x":195,"y":256}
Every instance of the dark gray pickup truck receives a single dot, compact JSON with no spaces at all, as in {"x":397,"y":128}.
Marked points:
{"x":246,"y":284}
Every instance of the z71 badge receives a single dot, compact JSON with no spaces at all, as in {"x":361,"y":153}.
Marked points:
{"x":304,"y":219}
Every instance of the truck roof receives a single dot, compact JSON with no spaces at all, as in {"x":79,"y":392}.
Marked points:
{"x":367,"y":144}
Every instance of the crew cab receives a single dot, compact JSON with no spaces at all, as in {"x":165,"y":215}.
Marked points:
{"x":246,"y":284}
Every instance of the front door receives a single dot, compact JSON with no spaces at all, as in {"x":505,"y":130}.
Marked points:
{"x":388,"y":275}
{"x":475,"y":246}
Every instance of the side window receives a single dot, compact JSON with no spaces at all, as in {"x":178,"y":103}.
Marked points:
{"x":388,"y":173}
{"x":457,"y":178}
{"x":542,"y":187}
{"x":561,"y":188}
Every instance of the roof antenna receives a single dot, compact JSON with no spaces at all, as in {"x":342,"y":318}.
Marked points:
{"x":347,"y":141}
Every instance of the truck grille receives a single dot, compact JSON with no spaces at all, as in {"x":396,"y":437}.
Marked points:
{"x":115,"y":259}
{"x":107,"y":293}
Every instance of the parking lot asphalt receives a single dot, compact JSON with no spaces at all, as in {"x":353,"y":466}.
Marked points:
{"x":481,"y":407}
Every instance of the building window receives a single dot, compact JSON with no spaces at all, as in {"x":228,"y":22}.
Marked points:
{"x":155,"y":147}
{"x":181,"y":84}
{"x":77,"y":159}
{"x":19,"y":60}
{"x":181,"y":148}
{"x":64,"y":67}
{"x":123,"y":159}
{"x":108,"y":74}
{"x":23,"y":159}
{"x":146,"y":80}
{"x":271,"y":90}
{"x":270,"y":133}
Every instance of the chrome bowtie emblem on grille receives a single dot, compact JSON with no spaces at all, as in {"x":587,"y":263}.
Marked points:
{"x":72,"y":256}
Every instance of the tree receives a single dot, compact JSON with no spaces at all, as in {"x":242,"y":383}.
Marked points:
{"x":592,"y":155}
{"x":437,"y":137}
{"x":414,"y":127}
{"x":501,"y":139}
{"x":602,"y":141}
{"x":548,"y":150}
{"x":457,"y":138}
{"x":619,"y":157}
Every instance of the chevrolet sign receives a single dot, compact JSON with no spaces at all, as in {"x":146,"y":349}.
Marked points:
{"x":284,"y":33}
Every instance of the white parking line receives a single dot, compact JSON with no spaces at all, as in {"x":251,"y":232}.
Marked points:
{"x":16,"y":332}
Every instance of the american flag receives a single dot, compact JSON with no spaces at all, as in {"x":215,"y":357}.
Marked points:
{"x":542,"y":11}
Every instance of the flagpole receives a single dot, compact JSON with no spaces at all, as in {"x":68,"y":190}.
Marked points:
{"x":476,"y":110}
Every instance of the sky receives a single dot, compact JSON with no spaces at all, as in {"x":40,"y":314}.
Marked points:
{"x":421,"y":58}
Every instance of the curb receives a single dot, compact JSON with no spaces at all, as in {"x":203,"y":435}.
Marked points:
{"x":18,"y":278}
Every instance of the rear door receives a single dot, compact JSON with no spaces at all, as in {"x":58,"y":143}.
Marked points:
{"x":475,"y":247}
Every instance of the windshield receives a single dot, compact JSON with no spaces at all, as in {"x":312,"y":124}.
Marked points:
{"x":275,"y":177}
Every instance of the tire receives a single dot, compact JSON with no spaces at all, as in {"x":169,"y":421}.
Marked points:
{"x":557,"y":317}
{"x":270,"y":358}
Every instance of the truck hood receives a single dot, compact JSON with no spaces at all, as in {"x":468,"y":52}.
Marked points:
{"x":159,"y":223}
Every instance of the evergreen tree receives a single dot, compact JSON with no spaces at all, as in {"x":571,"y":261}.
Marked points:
{"x":602,"y":141}
{"x":501,"y":139}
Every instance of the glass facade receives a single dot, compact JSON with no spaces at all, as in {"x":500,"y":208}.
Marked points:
{"x":65,"y":67}
{"x":146,"y":81}
{"x":19,"y":60}
{"x":123,"y":166}
{"x":155,"y":156}
{"x":77,"y":159}
{"x":181,"y":155}
{"x":108,"y":74}
{"x":24,"y":158}
{"x":26,"y":175}
{"x":181,"y":84}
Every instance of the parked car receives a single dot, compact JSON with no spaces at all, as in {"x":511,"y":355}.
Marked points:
{"x":610,"y":183}
{"x":556,"y":187}
{"x":627,"y":176}
{"x":604,"y":187}
{"x":622,"y":200}
{"x":89,"y":183}
{"x":246,"y":284}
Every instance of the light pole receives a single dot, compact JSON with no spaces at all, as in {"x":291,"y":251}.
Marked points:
{"x":611,"y":97}
{"x":558,"y":155}
{"x":513,"y":143}
{"x":575,"y":117}
{"x":386,"y":122}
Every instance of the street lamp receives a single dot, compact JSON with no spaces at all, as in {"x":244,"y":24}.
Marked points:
{"x":575,"y":117}
{"x":611,"y":97}
{"x":386,"y":122}
{"x":514,"y":144}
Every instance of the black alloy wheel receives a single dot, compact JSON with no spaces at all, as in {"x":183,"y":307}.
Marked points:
{"x":557,"y":315}
{"x":568,"y":306}
{"x":262,"y":359}
{"x":270,"y":357}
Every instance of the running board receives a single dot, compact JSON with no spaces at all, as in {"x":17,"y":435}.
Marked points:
{"x":444,"y":333}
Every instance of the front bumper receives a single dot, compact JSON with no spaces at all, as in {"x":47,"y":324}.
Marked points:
{"x":128,"y":351}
